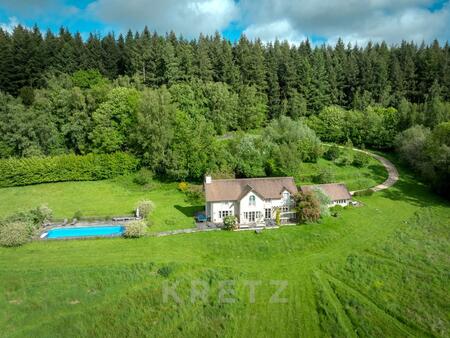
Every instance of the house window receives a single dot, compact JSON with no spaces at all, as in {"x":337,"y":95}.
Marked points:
{"x":286,"y":195}
{"x":285,"y":209}
{"x":224,"y":213}
{"x":252,"y":200}
{"x":268,"y":213}
{"x":252,"y":216}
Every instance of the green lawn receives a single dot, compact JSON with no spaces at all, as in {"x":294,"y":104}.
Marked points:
{"x":381,"y":270}
{"x":104,"y":199}
{"x":355,"y":178}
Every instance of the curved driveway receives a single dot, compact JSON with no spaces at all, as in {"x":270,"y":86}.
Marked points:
{"x":390,"y":168}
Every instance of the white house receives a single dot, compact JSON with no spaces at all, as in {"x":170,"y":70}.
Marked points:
{"x":254,"y":201}
{"x":337,"y":192}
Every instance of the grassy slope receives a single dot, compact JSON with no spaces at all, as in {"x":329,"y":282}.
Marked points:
{"x":379,"y":270}
{"x":355,"y":178}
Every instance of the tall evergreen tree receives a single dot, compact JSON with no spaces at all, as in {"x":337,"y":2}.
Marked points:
{"x":202,"y":61}
{"x":110,"y":56}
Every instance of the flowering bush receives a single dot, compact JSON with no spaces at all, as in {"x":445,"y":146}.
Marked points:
{"x":14,"y":234}
{"x":135,"y":229}
{"x":145,"y":208}
{"x":229,"y":222}
{"x":183,"y":186}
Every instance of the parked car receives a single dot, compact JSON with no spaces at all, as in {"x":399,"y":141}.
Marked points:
{"x":201,"y":217}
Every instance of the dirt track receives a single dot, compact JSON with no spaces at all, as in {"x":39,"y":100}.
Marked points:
{"x":390,"y":167}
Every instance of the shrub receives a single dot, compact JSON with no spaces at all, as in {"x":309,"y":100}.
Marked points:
{"x":14,"y":234}
{"x":165,"y":271}
{"x":183,"y":186}
{"x":278,"y":217}
{"x":195,"y":193}
{"x":335,"y":211}
{"x":366,"y":192}
{"x":229,"y":222}
{"x":143,"y":177}
{"x":145,"y":208}
{"x":344,"y":160}
{"x":78,"y":214}
{"x":41,"y":215}
{"x":337,"y":208}
{"x":360,"y":160}
{"x":324,"y":176}
{"x":135,"y":229}
{"x":308,"y":206}
{"x":332,"y":153}
{"x":34,"y":217}
{"x":34,"y":170}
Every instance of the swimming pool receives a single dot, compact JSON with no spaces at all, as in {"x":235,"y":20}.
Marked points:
{"x":85,"y":231}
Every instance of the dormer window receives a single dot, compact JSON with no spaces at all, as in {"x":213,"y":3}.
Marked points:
{"x":252,"y":200}
{"x":286,"y":195}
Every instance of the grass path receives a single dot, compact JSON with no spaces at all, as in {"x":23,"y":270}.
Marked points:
{"x":342,"y":318}
{"x":406,"y":329}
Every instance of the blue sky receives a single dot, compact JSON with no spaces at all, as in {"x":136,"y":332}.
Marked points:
{"x":356,"y":21}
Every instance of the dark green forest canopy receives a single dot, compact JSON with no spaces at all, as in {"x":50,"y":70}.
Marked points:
{"x":295,"y":79}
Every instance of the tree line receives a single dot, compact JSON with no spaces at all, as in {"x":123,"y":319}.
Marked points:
{"x":173,"y":131}
{"x":294,"y":80}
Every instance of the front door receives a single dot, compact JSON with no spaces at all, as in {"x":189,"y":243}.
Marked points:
{"x":251,"y":216}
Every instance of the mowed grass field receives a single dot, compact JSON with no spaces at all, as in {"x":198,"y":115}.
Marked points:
{"x":104,"y":199}
{"x":381,"y":270}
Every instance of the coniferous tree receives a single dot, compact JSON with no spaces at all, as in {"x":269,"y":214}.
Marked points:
{"x":202,"y":62}
{"x":6,"y":60}
{"x":185,"y":54}
{"x":273,"y":87}
{"x":169,"y":65}
{"x":110,"y":56}
{"x":123,"y":62}
{"x":94,"y":53}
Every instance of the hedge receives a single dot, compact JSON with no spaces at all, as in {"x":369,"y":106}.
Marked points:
{"x":34,"y":170}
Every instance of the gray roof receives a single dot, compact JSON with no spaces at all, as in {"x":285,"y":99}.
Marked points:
{"x":336,"y":191}
{"x":235,"y":189}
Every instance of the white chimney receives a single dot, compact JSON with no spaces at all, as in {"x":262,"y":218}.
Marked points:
{"x":208,"y":179}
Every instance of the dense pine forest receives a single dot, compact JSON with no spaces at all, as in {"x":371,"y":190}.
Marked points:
{"x":296,"y":80}
{"x":166,"y":99}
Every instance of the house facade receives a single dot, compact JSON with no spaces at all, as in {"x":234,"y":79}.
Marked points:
{"x":337,"y":192}
{"x":253,"y":201}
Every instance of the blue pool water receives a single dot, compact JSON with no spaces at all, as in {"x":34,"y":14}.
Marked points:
{"x":90,"y":231}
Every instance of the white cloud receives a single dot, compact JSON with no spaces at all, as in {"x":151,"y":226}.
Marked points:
{"x":29,"y":8}
{"x":354,"y":20}
{"x":187,"y":17}
{"x":9,"y":26}
{"x":281,"y":30}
